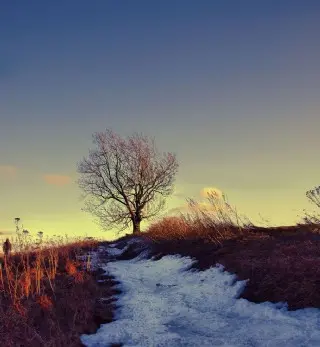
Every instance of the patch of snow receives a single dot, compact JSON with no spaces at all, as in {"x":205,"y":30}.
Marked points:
{"x":138,"y":246}
{"x":163,"y":303}
{"x":92,"y":259}
{"x":116,"y":251}
{"x":144,"y":253}
{"x":134,"y":240}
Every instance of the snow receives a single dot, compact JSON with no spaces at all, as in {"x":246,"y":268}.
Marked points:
{"x":136,"y":244}
{"x":91,"y":259}
{"x":116,"y":251}
{"x":164,"y":303}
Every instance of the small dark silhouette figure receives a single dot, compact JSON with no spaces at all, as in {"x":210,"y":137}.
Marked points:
{"x":7,"y":247}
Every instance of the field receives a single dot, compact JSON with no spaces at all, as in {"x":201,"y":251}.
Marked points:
{"x":52,"y":295}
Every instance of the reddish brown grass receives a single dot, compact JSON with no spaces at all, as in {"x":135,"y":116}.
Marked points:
{"x":281,"y":263}
{"x":49,"y":298}
{"x":45,"y":302}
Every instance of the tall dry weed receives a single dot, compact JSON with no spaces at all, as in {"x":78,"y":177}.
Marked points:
{"x":214,"y":220}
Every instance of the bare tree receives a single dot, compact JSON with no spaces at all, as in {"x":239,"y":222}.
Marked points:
{"x":312,"y":218}
{"x":126,"y":180}
{"x":314,"y":196}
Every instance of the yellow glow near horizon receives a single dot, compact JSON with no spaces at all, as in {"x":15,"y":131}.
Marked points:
{"x":57,"y":210}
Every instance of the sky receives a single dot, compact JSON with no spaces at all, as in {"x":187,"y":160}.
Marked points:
{"x":231,"y":87}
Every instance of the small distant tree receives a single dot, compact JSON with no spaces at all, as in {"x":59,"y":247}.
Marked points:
{"x":126,"y":180}
{"x":314,"y":196}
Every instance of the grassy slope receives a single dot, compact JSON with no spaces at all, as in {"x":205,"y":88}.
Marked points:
{"x":282,"y":264}
{"x":65,"y":305}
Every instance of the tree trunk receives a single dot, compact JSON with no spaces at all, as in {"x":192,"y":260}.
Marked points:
{"x":136,"y":225}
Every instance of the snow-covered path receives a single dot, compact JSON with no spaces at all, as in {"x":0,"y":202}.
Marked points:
{"x":165,"y":304}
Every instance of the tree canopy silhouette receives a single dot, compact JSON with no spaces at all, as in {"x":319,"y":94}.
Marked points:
{"x":314,"y":195}
{"x":126,"y":180}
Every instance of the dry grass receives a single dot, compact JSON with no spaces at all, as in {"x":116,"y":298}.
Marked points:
{"x":48,"y":297}
{"x":281,"y":263}
{"x":214,"y":221}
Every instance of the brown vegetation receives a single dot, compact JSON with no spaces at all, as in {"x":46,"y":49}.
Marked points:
{"x":281,"y":263}
{"x":49,"y":297}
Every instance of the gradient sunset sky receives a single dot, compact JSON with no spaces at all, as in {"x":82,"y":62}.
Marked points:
{"x":232,"y":87}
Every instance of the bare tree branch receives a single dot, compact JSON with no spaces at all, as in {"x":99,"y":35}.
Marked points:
{"x":126,"y":180}
{"x":314,"y":196}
